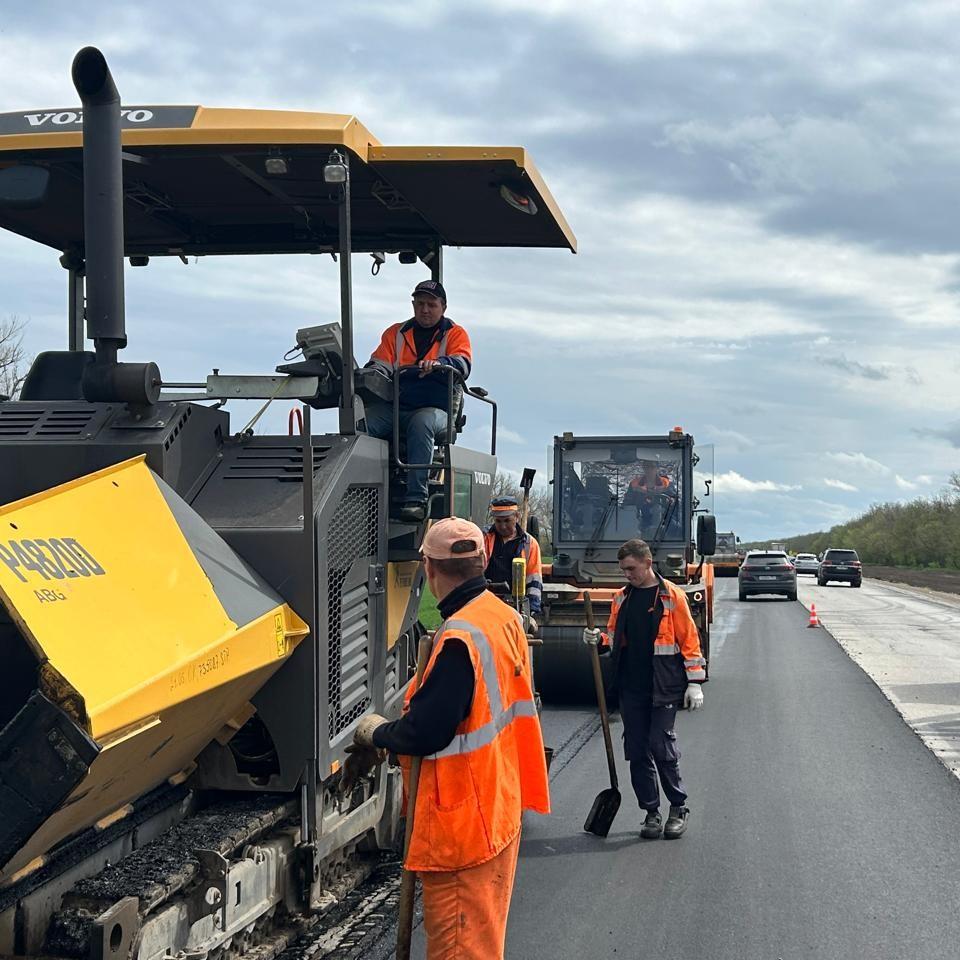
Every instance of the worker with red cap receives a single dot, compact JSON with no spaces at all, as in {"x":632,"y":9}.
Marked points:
{"x":431,"y":343}
{"x":504,"y":541}
{"x":474,"y":721}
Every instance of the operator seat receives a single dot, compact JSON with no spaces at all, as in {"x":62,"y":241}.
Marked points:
{"x":56,"y":375}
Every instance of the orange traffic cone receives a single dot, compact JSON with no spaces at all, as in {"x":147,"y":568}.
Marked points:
{"x":814,"y":619}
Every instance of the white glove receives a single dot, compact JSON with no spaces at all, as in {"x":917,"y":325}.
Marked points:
{"x":532,"y":627}
{"x":693,"y":697}
{"x":364,"y":732}
{"x":591,"y":636}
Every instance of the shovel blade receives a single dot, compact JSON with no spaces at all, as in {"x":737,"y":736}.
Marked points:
{"x":602,"y":813}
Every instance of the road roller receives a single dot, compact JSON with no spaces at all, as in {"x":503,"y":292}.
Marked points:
{"x":195,"y":613}
{"x":607,"y":490}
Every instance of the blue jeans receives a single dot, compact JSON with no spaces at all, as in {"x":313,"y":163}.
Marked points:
{"x":422,"y":425}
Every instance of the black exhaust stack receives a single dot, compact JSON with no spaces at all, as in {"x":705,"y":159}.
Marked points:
{"x":106,"y":380}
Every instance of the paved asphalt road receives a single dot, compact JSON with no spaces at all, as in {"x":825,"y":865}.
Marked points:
{"x":821,"y":828}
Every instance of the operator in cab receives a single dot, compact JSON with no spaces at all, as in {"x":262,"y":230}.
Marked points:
{"x":654,"y":495}
{"x":645,"y":486}
{"x":506,"y":540}
{"x":657,"y":668}
{"x":426,"y":344}
{"x":474,"y":721}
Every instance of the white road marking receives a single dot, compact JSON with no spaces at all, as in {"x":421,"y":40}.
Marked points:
{"x":726,"y":624}
{"x":907,"y":640}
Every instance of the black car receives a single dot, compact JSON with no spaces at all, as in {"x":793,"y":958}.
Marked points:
{"x":842,"y":565}
{"x":768,"y":572}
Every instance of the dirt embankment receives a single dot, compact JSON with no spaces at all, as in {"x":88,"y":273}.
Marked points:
{"x":946,"y":581}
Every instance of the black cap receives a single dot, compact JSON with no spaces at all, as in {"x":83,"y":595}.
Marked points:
{"x":432,"y":288}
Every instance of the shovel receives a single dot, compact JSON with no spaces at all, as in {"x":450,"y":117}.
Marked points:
{"x":408,"y":879}
{"x":607,"y":802}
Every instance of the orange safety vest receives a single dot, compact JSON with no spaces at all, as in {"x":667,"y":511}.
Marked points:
{"x":639,"y":484}
{"x":397,"y":347}
{"x":528,"y":548}
{"x":473,"y":792}
{"x":677,"y":640}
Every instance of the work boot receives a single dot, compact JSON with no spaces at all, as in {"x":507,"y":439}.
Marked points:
{"x":676,"y":823}
{"x":652,"y":826}
{"x":412,"y":512}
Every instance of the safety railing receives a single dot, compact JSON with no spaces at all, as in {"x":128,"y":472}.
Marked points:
{"x":454,"y":378}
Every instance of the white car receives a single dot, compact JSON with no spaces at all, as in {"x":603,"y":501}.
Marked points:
{"x":807,"y":563}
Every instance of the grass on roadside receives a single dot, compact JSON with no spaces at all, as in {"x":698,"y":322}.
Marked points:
{"x":429,"y":614}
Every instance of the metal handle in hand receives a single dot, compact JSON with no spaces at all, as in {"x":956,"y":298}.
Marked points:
{"x":408,"y":878}
{"x":601,"y":698}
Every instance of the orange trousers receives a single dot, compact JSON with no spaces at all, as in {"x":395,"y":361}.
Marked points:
{"x":465,"y":911}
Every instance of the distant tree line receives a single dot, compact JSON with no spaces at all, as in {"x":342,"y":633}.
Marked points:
{"x":922,"y":533}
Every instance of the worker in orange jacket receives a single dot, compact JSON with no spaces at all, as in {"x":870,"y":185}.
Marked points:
{"x":645,"y":491}
{"x":430,"y":342}
{"x":506,"y":540}
{"x":474,"y":721}
{"x":657,"y":667}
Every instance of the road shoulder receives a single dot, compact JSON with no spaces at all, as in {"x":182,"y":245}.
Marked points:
{"x":905,"y":639}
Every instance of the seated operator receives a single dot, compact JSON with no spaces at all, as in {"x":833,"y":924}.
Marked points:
{"x":644,"y":490}
{"x":429,"y":341}
{"x":504,"y":541}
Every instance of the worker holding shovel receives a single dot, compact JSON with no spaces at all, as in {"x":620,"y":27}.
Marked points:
{"x":473,"y":721}
{"x":657,"y":667}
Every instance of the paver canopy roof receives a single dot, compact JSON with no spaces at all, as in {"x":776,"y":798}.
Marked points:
{"x":196,"y":181}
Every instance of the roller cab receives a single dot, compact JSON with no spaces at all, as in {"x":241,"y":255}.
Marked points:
{"x":608,"y":490}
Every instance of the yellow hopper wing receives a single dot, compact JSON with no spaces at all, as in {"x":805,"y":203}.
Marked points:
{"x":133,"y":636}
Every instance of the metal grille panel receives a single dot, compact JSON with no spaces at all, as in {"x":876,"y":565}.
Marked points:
{"x":283,"y":463}
{"x":22,"y":420}
{"x":352,"y":535}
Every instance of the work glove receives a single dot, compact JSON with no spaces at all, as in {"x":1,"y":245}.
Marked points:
{"x":591,"y":636}
{"x":360,"y":761}
{"x":363,"y":735}
{"x":532,"y":626}
{"x":693,"y":697}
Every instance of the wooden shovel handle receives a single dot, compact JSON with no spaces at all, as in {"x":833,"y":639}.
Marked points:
{"x":601,"y":697}
{"x":408,"y":878}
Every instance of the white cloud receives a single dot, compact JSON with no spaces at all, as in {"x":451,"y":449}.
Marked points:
{"x":806,"y":154}
{"x":904,"y":484}
{"x":840,"y":485}
{"x":733,"y":482}
{"x":860,"y":461}
{"x":729,"y":438}
{"x":511,"y":436}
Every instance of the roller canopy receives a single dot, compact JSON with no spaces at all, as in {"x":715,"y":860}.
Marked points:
{"x":206,"y":181}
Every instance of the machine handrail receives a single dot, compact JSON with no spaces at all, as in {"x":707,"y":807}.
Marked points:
{"x":454,"y":376}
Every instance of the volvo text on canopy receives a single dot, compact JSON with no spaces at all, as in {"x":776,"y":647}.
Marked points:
{"x":191,"y":610}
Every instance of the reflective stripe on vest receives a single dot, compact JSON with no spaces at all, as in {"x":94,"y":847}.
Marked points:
{"x":665,"y":649}
{"x":500,"y":718}
{"x":398,"y":348}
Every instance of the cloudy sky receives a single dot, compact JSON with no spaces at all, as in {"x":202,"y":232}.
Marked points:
{"x":765,"y":197}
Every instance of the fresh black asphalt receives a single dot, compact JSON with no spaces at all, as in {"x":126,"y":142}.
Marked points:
{"x":821,"y":826}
